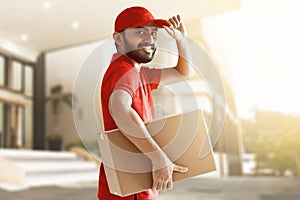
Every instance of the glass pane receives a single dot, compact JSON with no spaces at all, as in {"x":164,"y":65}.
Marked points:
{"x":11,"y":135}
{"x":28,"y":80}
{"x":28,"y":125}
{"x":1,"y":126}
{"x":19,"y":127}
{"x":2,"y":71}
{"x":16,"y":75}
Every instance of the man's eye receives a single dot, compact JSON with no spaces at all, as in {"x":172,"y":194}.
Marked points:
{"x":154,"y":33}
{"x":141,"y":32}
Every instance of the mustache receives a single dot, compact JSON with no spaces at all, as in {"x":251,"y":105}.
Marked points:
{"x":146,"y":45}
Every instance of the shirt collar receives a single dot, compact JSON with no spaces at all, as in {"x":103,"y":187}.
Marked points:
{"x":120,"y":57}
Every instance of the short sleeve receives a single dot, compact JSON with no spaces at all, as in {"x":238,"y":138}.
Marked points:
{"x":127,"y":79}
{"x":153,"y":76}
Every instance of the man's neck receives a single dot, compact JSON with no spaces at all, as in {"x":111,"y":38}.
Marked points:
{"x":136,"y":65}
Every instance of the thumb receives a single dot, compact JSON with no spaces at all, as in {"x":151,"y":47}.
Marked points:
{"x":177,"y":168}
{"x":169,"y":30}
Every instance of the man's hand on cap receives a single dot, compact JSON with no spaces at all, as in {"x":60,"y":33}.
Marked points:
{"x":177,"y":29}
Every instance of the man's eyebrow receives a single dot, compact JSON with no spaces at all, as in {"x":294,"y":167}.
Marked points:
{"x":143,"y":27}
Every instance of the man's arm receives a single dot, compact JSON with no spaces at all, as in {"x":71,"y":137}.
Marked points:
{"x":132,"y":126}
{"x":183,"y":67}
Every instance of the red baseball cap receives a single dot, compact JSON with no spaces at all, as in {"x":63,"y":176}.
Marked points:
{"x":137,"y":16}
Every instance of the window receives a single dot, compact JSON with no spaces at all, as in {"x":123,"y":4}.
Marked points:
{"x":16,"y":120}
{"x":29,"y":80}
{"x":2,"y":71}
{"x":16,"y":76}
{"x":1,"y":126}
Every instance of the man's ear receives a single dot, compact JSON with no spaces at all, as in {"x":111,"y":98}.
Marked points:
{"x":118,"y":37}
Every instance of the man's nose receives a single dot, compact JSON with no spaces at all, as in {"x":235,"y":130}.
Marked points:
{"x":149,"y":38}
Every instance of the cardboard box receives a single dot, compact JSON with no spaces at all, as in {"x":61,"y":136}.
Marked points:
{"x":183,"y":138}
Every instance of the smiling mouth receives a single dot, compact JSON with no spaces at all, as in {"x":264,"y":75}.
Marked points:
{"x":148,"y":49}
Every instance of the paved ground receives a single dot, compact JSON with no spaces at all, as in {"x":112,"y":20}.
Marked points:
{"x":244,"y":188}
{"x":234,"y":188}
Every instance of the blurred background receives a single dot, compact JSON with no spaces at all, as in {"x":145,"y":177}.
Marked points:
{"x":253,"y":44}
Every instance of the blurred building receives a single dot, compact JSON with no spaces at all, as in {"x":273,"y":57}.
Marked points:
{"x":43,"y":46}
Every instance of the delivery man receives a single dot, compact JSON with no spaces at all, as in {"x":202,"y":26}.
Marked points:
{"x":126,"y":91}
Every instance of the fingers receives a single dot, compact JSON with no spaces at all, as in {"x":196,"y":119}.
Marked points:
{"x":159,"y":186}
{"x":180,"y":169}
{"x":170,"y":185}
{"x":162,"y":182}
{"x":179,"y":18}
{"x":170,"y":31}
{"x":176,"y":27}
{"x":155,"y":184}
{"x":175,"y":21}
{"x":162,"y":186}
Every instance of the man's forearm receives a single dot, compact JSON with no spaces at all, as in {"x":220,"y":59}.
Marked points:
{"x":184,"y":63}
{"x":133,"y":128}
{"x":145,"y":143}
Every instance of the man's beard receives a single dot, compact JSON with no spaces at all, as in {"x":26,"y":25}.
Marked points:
{"x":138,"y":54}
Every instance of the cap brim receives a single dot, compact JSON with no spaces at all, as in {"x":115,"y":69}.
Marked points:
{"x":159,"y":23}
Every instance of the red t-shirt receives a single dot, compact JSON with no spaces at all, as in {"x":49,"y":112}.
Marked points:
{"x":121,"y":74}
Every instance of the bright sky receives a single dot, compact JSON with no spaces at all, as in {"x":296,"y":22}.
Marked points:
{"x":258,"y":49}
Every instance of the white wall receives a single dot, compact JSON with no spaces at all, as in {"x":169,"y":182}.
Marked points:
{"x":62,"y":67}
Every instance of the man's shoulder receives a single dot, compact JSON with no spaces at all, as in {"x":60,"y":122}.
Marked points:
{"x":119,"y":66}
{"x":118,"y":69}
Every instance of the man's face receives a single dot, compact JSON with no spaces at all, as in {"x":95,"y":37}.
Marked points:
{"x":140,"y":43}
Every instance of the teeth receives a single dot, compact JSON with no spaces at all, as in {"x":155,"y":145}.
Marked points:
{"x":148,"y":49}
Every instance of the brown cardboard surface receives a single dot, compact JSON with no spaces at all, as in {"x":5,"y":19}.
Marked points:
{"x":183,"y":138}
